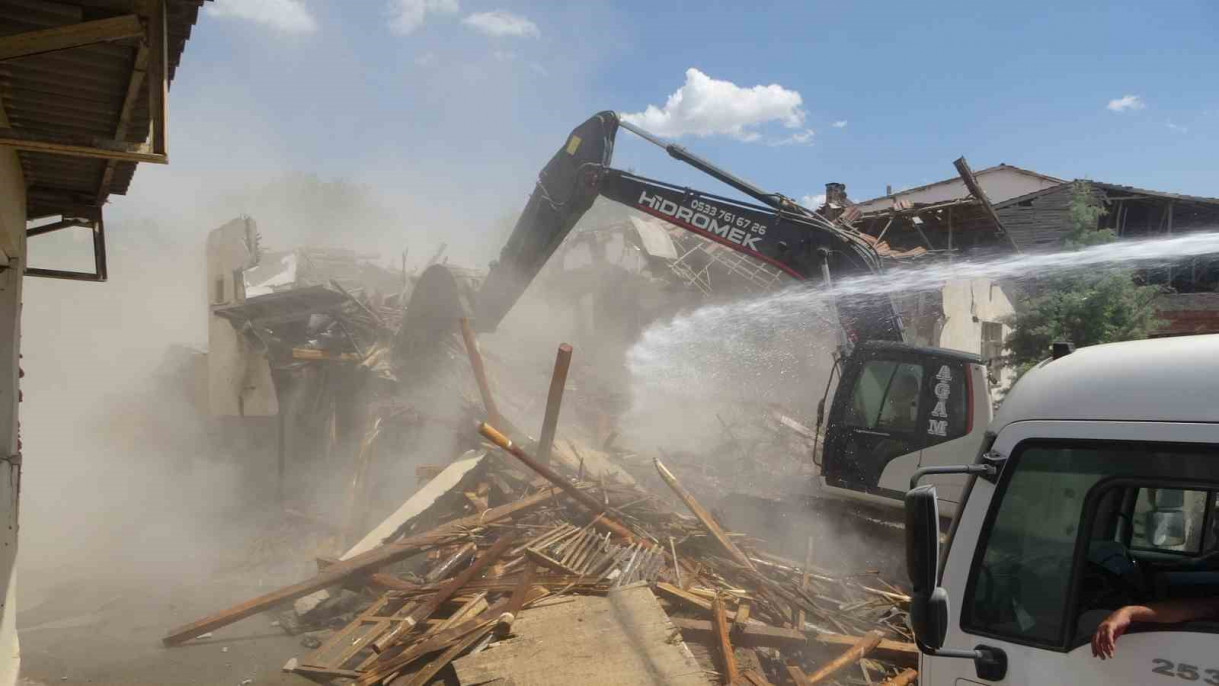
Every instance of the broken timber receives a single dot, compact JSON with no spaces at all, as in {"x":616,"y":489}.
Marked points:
{"x":907,"y":677}
{"x":364,"y":562}
{"x":862,"y":647}
{"x":704,"y":517}
{"x":480,"y":371}
{"x":595,"y":508}
{"x":447,"y":591}
{"x":729,"y":673}
{"x":750,"y":636}
{"x":554,"y":401}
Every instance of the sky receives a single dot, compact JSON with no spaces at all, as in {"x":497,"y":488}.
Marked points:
{"x":464,"y":100}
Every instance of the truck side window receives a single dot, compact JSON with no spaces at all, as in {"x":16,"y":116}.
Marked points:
{"x":1040,"y":550}
{"x":1019,"y":587}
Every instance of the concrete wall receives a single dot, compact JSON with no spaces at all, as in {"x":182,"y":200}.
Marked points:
{"x":999,"y":183}
{"x":12,"y":245}
{"x":966,"y":305}
{"x":239,"y":376}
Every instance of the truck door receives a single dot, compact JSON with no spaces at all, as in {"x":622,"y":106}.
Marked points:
{"x":1086,"y":517}
{"x":876,"y":425}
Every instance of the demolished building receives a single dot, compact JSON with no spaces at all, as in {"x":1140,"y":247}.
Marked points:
{"x":1032,"y":212}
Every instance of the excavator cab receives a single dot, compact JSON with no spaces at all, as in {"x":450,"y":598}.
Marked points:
{"x":899,"y":407}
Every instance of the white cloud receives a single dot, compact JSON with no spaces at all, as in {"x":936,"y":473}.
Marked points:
{"x":704,"y":106}
{"x":500,"y":23}
{"x":407,"y":15}
{"x":287,"y":16}
{"x":813,"y":201}
{"x":427,"y":59}
{"x":840,"y":124}
{"x":1126,"y":102}
{"x":799,"y":138}
{"x":1176,"y":128}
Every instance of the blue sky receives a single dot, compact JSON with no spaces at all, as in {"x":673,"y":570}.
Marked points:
{"x":449,"y":107}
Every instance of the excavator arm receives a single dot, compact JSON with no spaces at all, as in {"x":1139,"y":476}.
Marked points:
{"x":779,"y":232}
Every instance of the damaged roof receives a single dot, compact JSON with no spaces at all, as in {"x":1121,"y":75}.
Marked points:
{"x":76,"y":97}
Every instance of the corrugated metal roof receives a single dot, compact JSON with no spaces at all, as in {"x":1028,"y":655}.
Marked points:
{"x":1157,"y":194}
{"x":78,"y":91}
{"x":1112,"y":187}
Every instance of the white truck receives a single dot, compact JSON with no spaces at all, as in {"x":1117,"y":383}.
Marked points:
{"x":1096,"y":488}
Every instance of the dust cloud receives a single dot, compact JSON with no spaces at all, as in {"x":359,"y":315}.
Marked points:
{"x":126,"y":479}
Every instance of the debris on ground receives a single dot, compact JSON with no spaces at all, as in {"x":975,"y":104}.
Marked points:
{"x":504,"y":568}
{"x":517,"y":564}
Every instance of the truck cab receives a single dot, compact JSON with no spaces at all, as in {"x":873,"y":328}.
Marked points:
{"x":1097,"y":488}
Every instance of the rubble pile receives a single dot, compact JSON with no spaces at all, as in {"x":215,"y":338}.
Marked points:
{"x":522,"y":560}
{"x":502,"y":568}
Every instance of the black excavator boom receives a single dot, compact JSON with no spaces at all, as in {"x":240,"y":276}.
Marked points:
{"x":782,"y":233}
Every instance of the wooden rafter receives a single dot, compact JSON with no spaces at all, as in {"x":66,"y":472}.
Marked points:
{"x":134,"y":89}
{"x":971,"y":183}
{"x":79,"y":146}
{"x":158,"y":75}
{"x":70,"y":36}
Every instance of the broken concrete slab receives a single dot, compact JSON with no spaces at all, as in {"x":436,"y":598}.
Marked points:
{"x":622,"y":639}
{"x":417,"y":504}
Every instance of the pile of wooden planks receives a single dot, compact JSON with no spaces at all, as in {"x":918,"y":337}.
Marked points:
{"x":534,"y":565}
{"x":748,"y":617}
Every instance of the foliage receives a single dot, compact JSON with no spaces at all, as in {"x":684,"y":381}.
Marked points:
{"x":1084,"y":308}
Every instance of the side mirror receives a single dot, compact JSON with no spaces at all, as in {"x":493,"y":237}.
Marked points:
{"x":1167,"y":498}
{"x":1165,"y":528}
{"x":928,"y":603}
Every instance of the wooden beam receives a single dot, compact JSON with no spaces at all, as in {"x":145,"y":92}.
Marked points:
{"x":729,"y":672}
{"x":971,"y":182}
{"x":907,"y":677}
{"x":586,"y":501}
{"x":554,"y":400}
{"x":158,"y":76}
{"x":855,"y":653}
{"x":797,"y":675}
{"x":424,"y":676}
{"x":365,"y":562}
{"x":70,"y":36}
{"x":447,"y":591}
{"x":56,"y":226}
{"x":704,"y":517}
{"x":900,"y":653}
{"x":134,"y":88}
{"x":79,"y":146}
{"x":808,"y":566}
{"x":480,"y":372}
{"x":749,"y":636}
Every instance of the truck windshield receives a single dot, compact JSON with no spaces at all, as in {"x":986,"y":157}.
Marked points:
{"x":1085,"y":527}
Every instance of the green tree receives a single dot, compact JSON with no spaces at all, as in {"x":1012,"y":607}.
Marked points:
{"x":1086,"y":307}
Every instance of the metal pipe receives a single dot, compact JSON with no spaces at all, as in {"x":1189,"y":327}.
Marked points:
{"x":679,"y":153}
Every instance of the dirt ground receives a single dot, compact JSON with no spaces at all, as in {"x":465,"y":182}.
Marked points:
{"x":81,"y":627}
